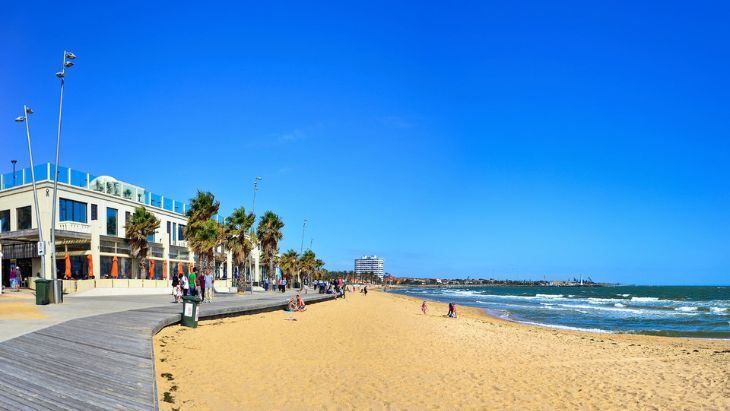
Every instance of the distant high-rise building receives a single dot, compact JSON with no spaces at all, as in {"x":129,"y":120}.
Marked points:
{"x":369,"y":264}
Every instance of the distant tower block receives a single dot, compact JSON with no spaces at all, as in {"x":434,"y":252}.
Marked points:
{"x":369,"y":264}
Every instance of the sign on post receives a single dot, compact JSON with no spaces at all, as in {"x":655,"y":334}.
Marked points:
{"x":41,"y":248}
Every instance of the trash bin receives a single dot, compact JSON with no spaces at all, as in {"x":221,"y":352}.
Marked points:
{"x":42,"y":291}
{"x":190,"y":311}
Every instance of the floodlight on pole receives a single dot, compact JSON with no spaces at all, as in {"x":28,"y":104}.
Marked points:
{"x":66,"y":63}
{"x":25,"y":119}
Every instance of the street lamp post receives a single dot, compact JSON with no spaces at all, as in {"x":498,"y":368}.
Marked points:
{"x":301,"y":250}
{"x":14,"y":162}
{"x":26,"y":119}
{"x":252,"y":269}
{"x":67,"y":63}
{"x":304,"y":227}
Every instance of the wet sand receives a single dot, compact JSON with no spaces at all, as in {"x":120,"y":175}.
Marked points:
{"x":380,"y":352}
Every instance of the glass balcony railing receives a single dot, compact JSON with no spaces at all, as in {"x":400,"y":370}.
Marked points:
{"x":101,"y":184}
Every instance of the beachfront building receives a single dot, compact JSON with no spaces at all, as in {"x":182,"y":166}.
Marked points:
{"x":92,"y":212}
{"x":369,"y":264}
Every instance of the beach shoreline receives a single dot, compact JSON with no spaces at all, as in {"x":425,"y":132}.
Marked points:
{"x":484,"y":313}
{"x":379,"y":351}
{"x":603,"y":313}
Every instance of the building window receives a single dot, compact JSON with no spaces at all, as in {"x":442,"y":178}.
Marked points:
{"x":4,"y":221}
{"x":169,"y":234}
{"x":151,"y":238}
{"x":181,"y":233}
{"x":24,"y":218}
{"x":174,"y":232}
{"x":127,"y":217}
{"x":94,"y":212}
{"x":70,"y":210}
{"x":111,"y":221}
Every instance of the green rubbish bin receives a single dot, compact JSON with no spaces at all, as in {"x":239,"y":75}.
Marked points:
{"x":42,"y":289}
{"x":190,"y":311}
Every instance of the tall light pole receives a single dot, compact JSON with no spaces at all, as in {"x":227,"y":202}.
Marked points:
{"x":14,"y":162}
{"x":67,"y":63}
{"x":252,"y":269}
{"x":41,"y":245}
{"x":304,"y":227}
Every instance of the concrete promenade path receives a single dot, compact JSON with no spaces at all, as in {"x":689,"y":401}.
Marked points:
{"x":97,"y":353}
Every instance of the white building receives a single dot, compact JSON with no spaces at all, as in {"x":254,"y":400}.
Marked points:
{"x":369,"y":264}
{"x":90,"y":229}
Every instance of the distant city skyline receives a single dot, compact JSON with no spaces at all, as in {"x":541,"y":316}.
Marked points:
{"x":485,"y":139}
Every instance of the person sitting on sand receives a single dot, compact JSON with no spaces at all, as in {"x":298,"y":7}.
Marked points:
{"x":300,"y":304}
{"x":292,"y":305}
{"x":424,"y":308}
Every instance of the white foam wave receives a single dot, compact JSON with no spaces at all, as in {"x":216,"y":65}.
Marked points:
{"x":619,"y":305}
{"x":686,"y":309}
{"x":644,"y":299}
{"x":565,"y":327}
{"x":623,"y":295}
{"x":592,"y":300}
{"x":718,"y":310}
{"x":604,"y":308}
{"x":549,"y":295}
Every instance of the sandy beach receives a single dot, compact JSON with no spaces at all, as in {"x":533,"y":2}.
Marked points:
{"x":380,"y":352}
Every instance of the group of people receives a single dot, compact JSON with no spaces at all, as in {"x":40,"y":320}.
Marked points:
{"x":280,"y":285}
{"x":337,"y":287}
{"x":451,"y":314}
{"x":296,"y":304}
{"x":193,"y":285}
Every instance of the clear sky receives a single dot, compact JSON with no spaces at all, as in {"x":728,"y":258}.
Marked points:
{"x":482,"y":139}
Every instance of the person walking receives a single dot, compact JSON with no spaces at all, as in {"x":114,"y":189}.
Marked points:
{"x":424,"y":308}
{"x":201,"y":285}
{"x":13,"y":279}
{"x":175,"y":286}
{"x":209,"y":287}
{"x":283,"y":285}
{"x":185,"y":284}
{"x":192,"y":281}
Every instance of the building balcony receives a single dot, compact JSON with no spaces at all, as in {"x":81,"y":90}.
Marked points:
{"x":74,"y":227}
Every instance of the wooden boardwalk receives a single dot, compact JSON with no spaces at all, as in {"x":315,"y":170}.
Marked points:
{"x":103,"y":362}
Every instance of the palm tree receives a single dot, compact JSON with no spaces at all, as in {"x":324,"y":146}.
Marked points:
{"x":202,"y":233}
{"x":306,"y":263}
{"x":290,"y":264}
{"x":139,"y":227}
{"x":239,"y":241}
{"x":269,"y":234}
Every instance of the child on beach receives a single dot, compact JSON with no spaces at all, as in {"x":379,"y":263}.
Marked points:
{"x":452,"y":310}
{"x":424,"y":308}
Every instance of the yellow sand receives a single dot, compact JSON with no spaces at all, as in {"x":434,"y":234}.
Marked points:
{"x":17,"y":310}
{"x":380,"y":352}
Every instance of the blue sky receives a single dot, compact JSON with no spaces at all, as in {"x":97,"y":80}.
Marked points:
{"x":480,"y":139}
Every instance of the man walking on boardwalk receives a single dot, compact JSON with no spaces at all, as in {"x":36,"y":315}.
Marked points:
{"x":208,"y":287}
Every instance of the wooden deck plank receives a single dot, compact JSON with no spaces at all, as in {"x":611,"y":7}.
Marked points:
{"x":100,"y":362}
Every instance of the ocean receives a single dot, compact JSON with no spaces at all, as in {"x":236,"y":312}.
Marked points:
{"x":689,"y":311}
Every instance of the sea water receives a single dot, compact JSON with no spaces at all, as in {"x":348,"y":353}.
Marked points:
{"x":701,"y":311}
